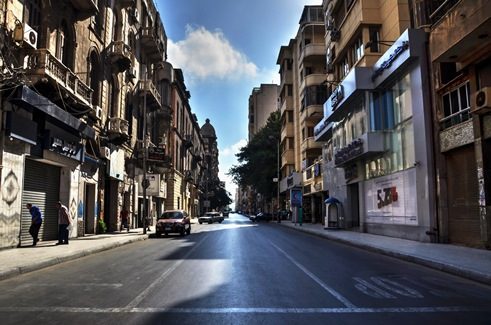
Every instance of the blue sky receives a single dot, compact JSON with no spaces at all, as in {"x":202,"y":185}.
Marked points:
{"x":225,"y":49}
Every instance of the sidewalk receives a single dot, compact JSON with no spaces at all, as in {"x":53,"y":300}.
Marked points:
{"x":17,"y":261}
{"x":471,"y":263}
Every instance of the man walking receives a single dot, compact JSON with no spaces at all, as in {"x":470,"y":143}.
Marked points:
{"x":36,"y":221}
{"x":64,"y":221}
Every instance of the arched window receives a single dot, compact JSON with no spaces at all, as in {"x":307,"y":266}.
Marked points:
{"x":95,"y":78}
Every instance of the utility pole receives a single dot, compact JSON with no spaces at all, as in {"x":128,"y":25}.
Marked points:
{"x":144,"y":164}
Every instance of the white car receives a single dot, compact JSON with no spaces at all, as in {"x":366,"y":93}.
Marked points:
{"x":211,"y":217}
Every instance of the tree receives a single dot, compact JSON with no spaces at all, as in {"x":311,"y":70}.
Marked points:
{"x":257,"y":160}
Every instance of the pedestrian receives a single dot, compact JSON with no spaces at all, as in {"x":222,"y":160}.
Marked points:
{"x":64,"y":221}
{"x":36,"y":221}
{"x":124,"y":220}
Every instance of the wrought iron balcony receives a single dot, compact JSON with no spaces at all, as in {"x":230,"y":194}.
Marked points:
{"x":153,"y":43}
{"x":147,"y":88}
{"x":117,"y":130}
{"x":43,"y":65}
{"x":121,"y":55}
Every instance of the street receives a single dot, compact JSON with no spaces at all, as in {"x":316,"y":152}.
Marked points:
{"x":240,"y":272}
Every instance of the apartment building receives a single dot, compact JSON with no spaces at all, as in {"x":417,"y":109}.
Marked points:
{"x":262,"y":102}
{"x":378,"y":165}
{"x":84,"y":99}
{"x":460,"y":56}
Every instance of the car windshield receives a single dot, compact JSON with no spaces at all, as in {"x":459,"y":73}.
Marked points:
{"x":171,"y":215}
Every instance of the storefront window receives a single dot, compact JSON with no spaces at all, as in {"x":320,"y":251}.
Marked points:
{"x":391,"y":111}
{"x":353,"y":126}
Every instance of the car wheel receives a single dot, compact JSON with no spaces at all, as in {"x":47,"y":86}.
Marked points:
{"x":220,"y":221}
{"x":158,"y":234}
{"x":200,"y":222}
{"x":166,"y":234}
{"x":210,"y":222}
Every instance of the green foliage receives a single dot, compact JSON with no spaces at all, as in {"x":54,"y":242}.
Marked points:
{"x":220,"y":199}
{"x":258,"y":159}
{"x":101,"y":227}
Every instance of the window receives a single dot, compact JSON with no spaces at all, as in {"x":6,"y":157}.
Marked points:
{"x":344,"y":67}
{"x":32,"y":14}
{"x":289,"y":90}
{"x":456,"y":106}
{"x":374,"y":33}
{"x":357,"y":50}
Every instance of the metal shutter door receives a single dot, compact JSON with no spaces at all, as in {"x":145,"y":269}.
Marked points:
{"x":463,"y":214}
{"x":41,"y":188}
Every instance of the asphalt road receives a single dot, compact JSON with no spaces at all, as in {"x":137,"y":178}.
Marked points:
{"x":238,"y":272}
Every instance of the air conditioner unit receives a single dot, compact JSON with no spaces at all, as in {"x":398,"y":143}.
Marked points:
{"x":105,"y":152}
{"x":482,"y":101}
{"x":26,"y":34}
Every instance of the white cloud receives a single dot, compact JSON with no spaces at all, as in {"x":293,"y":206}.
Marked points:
{"x":203,"y":54}
{"x":233,"y":149}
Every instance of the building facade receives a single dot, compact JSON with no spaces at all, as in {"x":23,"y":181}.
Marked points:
{"x":85,"y":112}
{"x":377,"y":121}
{"x":460,"y":58}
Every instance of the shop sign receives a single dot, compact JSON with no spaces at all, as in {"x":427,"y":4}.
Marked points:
{"x":392,"y":199}
{"x":65,"y":148}
{"x":337,"y":96}
{"x":393,"y":56}
{"x":156,"y":154}
{"x":349,"y":152}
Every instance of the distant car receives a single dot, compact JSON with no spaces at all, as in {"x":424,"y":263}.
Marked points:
{"x":211,"y":217}
{"x":173,"y":221}
{"x":225,"y":213}
{"x":261,"y":216}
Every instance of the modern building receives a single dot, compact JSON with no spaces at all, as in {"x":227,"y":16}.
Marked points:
{"x":460,"y":58}
{"x":262,"y":102}
{"x":377,"y":125}
{"x":302,"y":93}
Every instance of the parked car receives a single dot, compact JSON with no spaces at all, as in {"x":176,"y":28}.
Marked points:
{"x":225,"y":212}
{"x":173,"y":221}
{"x":261,"y":216}
{"x":211,"y":217}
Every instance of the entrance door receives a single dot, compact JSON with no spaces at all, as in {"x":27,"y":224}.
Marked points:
{"x":354,"y":206}
{"x":463,"y":197}
{"x":41,"y":188}
{"x":89,"y":213}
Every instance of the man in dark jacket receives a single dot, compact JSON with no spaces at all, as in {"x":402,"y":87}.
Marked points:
{"x":64,"y":220}
{"x":36,"y":221}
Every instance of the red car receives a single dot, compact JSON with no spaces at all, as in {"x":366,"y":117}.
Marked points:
{"x":173,"y":221}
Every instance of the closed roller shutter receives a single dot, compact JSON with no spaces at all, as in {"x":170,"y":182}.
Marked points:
{"x":463,"y":195}
{"x":41,"y":188}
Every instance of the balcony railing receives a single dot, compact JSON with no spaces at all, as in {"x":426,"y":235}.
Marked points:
{"x":117,"y":127}
{"x":147,"y":88}
{"x":312,"y":49}
{"x":43,"y":64}
{"x":153,"y":43}
{"x":311,"y":113}
{"x":121,"y":54}
{"x":310,"y":144}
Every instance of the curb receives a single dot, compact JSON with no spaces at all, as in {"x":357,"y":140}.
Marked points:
{"x":73,"y":256}
{"x":440,"y":266}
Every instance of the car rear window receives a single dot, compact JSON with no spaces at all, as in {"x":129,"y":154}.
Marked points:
{"x":171,"y":215}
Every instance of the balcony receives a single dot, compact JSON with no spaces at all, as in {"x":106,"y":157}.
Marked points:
{"x":86,"y":7}
{"x":43,"y":65}
{"x":288,"y":157}
{"x":120,"y":55}
{"x":286,"y":105}
{"x":460,"y":29}
{"x":187,"y":142}
{"x":147,"y":88}
{"x":287,"y":131}
{"x":313,"y":49}
{"x":153,"y":43}
{"x":313,"y":79}
{"x":309,"y":144}
{"x":367,"y":145}
{"x":117,"y":130}
{"x":312,"y":113}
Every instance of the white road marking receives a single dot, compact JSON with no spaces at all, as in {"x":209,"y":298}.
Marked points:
{"x":333,"y":292}
{"x":138,"y":299}
{"x":252,"y":310}
{"x":111,"y":285}
{"x":396,"y":287}
{"x":376,"y":292}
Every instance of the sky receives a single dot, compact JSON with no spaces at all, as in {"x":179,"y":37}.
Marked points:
{"x":225,"y":48}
